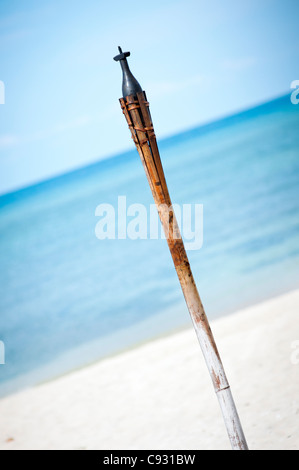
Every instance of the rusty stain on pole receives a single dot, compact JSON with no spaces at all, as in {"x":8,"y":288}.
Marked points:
{"x":135,"y":107}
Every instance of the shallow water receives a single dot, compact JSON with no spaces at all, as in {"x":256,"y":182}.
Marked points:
{"x":68,"y":298}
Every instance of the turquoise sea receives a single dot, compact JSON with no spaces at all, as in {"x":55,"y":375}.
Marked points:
{"x":68,"y":298}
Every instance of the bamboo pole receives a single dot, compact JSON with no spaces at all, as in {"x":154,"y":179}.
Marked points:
{"x":136,"y":110}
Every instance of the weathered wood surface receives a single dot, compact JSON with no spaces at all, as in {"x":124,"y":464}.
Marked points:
{"x":136,"y":111}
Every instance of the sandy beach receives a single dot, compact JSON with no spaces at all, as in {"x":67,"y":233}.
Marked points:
{"x":159,"y":395}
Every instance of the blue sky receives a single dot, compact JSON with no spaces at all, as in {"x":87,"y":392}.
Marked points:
{"x":198,"y":60}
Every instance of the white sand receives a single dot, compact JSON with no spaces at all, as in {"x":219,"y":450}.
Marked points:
{"x":159,"y":396}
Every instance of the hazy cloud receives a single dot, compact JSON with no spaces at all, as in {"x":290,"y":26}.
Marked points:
{"x":238,"y":64}
{"x":10,"y":140}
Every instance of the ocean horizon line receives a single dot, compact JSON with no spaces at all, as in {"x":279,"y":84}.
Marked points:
{"x":63,"y":288}
{"x":166,"y":140}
